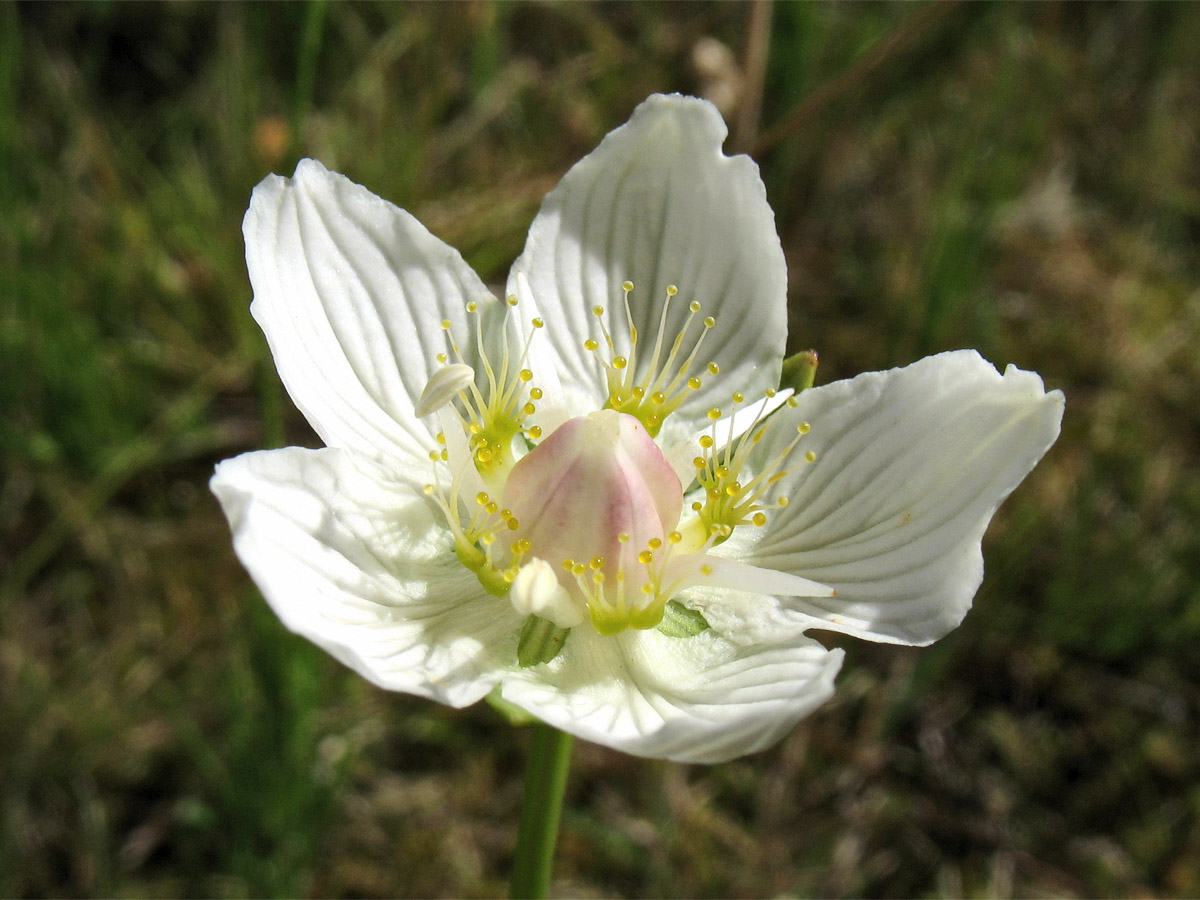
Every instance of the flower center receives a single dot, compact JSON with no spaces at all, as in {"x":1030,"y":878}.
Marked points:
{"x":585,"y":523}
{"x":595,"y":499}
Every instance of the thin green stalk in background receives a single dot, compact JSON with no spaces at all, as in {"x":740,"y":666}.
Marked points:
{"x":541,"y":808}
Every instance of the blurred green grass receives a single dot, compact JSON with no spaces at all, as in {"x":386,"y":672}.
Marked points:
{"x":1021,"y":179}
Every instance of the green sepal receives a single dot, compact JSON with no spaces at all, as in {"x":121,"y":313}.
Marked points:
{"x":679,"y":621}
{"x":799,"y":371}
{"x":541,"y":640}
{"x":511,"y":712}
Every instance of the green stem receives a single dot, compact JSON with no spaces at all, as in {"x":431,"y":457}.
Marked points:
{"x":545,"y":780}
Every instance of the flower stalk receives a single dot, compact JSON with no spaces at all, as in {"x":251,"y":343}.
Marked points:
{"x":541,"y":809}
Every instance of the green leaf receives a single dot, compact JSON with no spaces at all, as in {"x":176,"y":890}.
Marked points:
{"x":679,"y":621}
{"x":541,"y":640}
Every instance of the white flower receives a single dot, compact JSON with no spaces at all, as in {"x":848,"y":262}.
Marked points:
{"x":590,"y":494}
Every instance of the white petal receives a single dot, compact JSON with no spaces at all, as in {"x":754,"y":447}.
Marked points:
{"x":658,"y":203}
{"x":351,"y":291}
{"x":701,"y":699}
{"x":911,"y":464}
{"x":359,"y":566}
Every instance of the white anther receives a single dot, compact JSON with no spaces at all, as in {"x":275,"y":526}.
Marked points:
{"x":536,"y":592}
{"x":446,"y":384}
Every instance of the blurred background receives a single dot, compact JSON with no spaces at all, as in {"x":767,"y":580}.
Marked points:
{"x":1023,"y":179}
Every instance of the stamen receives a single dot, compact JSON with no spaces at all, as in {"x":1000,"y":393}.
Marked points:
{"x":653,"y":388}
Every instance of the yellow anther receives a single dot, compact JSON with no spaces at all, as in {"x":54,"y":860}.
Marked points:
{"x":578,"y":569}
{"x":568,"y":564}
{"x":472,"y":306}
{"x":694,"y":383}
{"x":760,"y":519}
{"x":658,"y":397}
{"x":440,"y":437}
{"x":623,"y":537}
{"x":782,"y":502}
{"x":597,"y":310}
{"x":590,"y":344}
{"x":482,"y":497}
{"x":738,"y":396}
{"x":804,"y":428}
{"x":672,"y":290}
{"x":529,"y":409}
{"x":428,"y":490}
{"x":792,"y":402}
{"x":706,"y":570}
{"x":674,"y":537}
{"x":442,"y":358}
{"x":445,"y":324}
{"x":714,"y":414}
{"x":647,"y":589}
{"x":811,"y":456}
{"x":492,"y":507}
{"x":598,"y":577}
{"x":654,"y":543}
{"x":627,"y":286}
{"x":694,"y":306}
{"x":645,"y":557}
{"x":535,"y":393}
{"x":535,"y":431}
{"x":511,"y":299}
{"x":597,"y":562}
{"x":539,"y":322}
{"x":525,"y":374}
{"x":620,"y":362}
{"x":638,"y":392}
{"x":699,"y":462}
{"x":709,"y":321}
{"x":713,"y":368}
{"x":434,"y":455}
